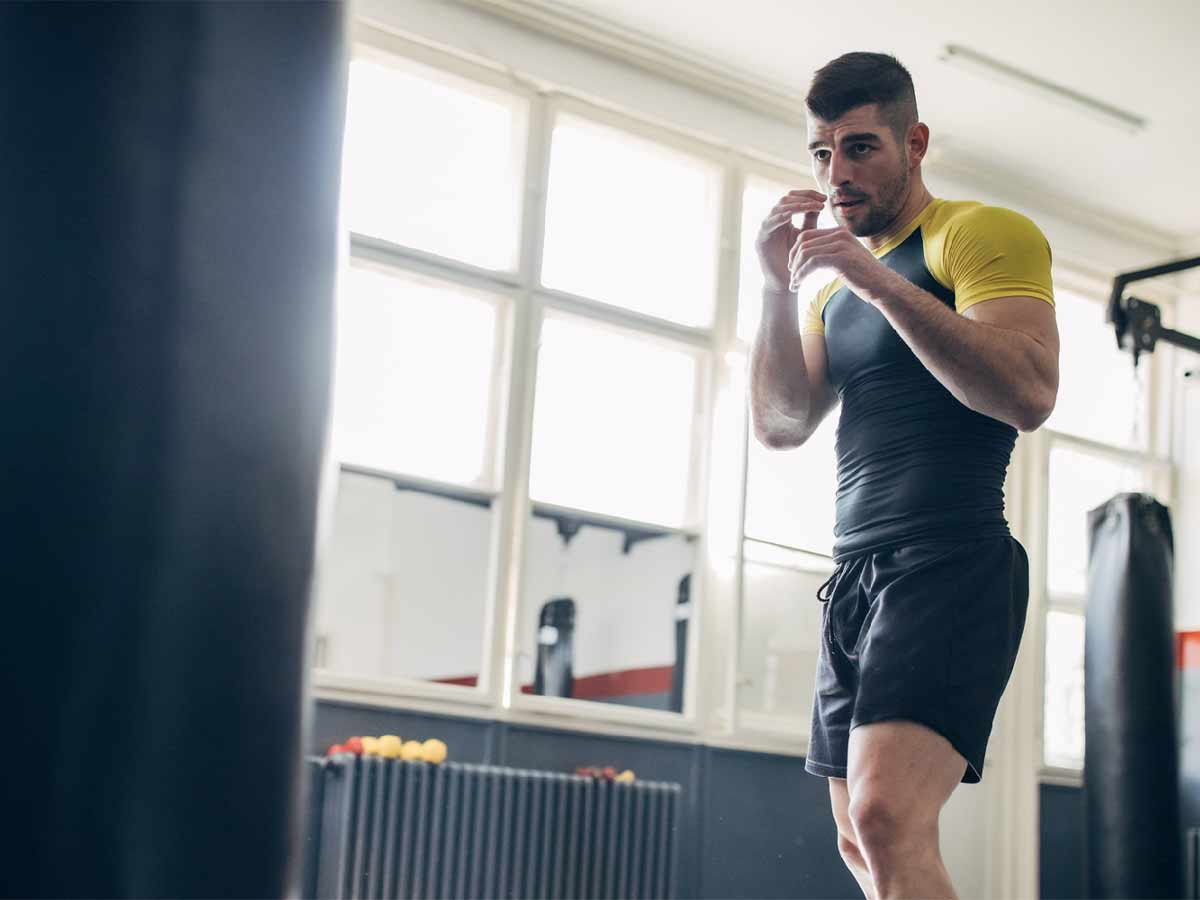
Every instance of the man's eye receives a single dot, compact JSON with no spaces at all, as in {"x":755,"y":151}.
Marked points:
{"x":862,"y":149}
{"x":821,"y":155}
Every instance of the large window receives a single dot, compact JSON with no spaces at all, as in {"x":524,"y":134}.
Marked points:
{"x":474,"y":385}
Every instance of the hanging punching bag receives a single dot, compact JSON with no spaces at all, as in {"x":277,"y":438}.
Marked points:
{"x":554,"y":675}
{"x":683,"y":615}
{"x":168,"y":198}
{"x":1131,"y":756}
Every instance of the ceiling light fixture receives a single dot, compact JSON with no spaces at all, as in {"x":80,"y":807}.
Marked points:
{"x":985,"y":65}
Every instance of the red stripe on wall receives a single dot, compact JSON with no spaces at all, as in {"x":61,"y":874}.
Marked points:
{"x":1187,"y":650}
{"x":648,"y":680}
{"x":464,"y":680}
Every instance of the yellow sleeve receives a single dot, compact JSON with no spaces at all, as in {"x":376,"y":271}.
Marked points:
{"x":813,"y":323}
{"x":991,"y":252}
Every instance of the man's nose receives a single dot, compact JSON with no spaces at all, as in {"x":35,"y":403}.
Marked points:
{"x":839,"y":169}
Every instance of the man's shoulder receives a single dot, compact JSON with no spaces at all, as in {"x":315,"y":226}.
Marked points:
{"x":973,"y":217}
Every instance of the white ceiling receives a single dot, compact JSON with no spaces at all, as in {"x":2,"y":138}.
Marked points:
{"x":1141,"y":58}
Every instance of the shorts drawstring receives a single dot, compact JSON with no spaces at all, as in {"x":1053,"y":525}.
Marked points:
{"x":831,"y":583}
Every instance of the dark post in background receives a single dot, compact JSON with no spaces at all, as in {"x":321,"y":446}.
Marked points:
{"x":168,"y":194}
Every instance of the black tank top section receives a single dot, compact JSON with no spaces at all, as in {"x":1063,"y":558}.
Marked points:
{"x":914,"y":464}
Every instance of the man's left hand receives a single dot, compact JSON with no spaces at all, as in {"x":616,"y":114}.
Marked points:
{"x":838,"y":249}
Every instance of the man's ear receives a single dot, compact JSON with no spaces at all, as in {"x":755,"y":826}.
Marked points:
{"x":917,"y":144}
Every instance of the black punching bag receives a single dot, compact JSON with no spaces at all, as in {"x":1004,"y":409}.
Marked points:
{"x":168,"y":193}
{"x":554,"y":675}
{"x":1131,"y":758}
{"x":683,"y":615}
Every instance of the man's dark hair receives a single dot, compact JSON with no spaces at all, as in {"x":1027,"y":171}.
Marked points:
{"x":856,"y":79}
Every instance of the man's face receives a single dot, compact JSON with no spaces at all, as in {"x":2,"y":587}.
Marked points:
{"x":863,"y":169}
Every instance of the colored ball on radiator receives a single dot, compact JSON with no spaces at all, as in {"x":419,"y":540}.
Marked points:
{"x":336,"y":748}
{"x":353,"y":745}
{"x":433,"y":751}
{"x":390,"y":746}
{"x":411,"y":750}
{"x":370,"y":746}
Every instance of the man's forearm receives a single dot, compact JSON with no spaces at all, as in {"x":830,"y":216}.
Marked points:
{"x":778,"y":379}
{"x":994,"y":371}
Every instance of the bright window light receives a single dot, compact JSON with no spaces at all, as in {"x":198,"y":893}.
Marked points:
{"x":758,"y":199}
{"x":1079,"y":482}
{"x":790,"y":495}
{"x":781,"y":637}
{"x":413,"y":390}
{"x":434,"y":162}
{"x":631,"y":223}
{"x":1064,"y":728}
{"x":613,"y":422}
{"x":1099,"y":396}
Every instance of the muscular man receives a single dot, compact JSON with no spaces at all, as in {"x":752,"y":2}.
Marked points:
{"x":938,"y":337}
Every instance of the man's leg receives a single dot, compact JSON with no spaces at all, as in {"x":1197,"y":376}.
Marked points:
{"x":839,"y":799}
{"x":900,"y":775}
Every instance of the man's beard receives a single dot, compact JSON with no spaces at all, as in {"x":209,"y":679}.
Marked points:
{"x":882,"y":215}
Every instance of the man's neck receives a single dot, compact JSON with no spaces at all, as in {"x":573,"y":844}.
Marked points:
{"x":918,"y":198}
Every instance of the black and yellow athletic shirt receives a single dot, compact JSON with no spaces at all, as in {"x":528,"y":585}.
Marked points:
{"x":914,"y":464}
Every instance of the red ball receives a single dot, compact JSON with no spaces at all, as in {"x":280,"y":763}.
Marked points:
{"x":354,"y":745}
{"x":335,"y":748}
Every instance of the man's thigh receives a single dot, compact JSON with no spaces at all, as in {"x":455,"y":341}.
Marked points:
{"x":910,"y":764}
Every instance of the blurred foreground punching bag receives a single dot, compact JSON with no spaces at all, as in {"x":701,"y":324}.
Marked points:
{"x":168,"y":192}
{"x":1131,"y":760}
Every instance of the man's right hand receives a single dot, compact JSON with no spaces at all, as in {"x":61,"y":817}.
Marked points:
{"x":777,"y":235}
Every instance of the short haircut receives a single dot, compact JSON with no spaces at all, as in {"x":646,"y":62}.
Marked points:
{"x":856,"y":79}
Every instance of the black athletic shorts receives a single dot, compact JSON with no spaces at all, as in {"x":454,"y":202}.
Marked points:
{"x":928,"y":633}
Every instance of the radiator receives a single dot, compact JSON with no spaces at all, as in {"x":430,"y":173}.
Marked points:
{"x":398,"y":829}
{"x":1191,"y":848}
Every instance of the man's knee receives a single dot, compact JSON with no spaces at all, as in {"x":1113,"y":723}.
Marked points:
{"x":885,"y":827}
{"x":848,"y":847}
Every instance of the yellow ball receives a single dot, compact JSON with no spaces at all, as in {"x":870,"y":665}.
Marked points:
{"x":625,"y":777}
{"x":390,"y":746}
{"x":370,"y":746}
{"x":433,"y":751}
{"x":411,"y":750}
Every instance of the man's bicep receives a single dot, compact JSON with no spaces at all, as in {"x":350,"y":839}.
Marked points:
{"x":1029,"y":315}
